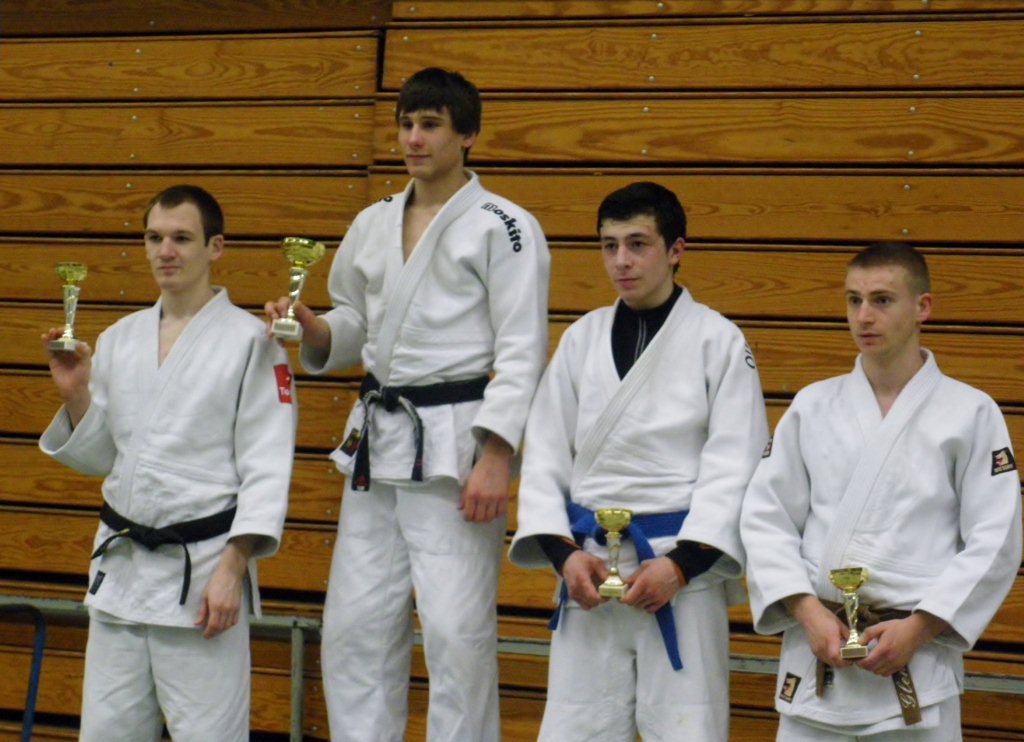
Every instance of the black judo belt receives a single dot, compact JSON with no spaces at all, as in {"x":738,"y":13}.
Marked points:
{"x":186,"y":532}
{"x":371,"y":393}
{"x":910,"y":708}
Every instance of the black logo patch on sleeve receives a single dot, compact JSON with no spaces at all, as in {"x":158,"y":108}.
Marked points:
{"x":1002,"y":461}
{"x":97,"y":581}
{"x":789,"y":686}
{"x":767,"y":449}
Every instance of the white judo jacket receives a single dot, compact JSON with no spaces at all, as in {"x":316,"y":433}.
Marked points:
{"x":683,"y":430}
{"x":210,"y":428}
{"x":926,"y":498}
{"x":471,"y":300}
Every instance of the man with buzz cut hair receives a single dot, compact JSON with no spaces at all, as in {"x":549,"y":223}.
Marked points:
{"x":906,"y":476}
{"x":186,"y":409}
{"x":441,"y":293}
{"x":652,"y":405}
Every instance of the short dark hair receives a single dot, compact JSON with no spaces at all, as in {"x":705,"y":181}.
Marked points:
{"x":896,"y":253}
{"x":646,"y":199}
{"x":437,"y":89}
{"x":210,"y":213}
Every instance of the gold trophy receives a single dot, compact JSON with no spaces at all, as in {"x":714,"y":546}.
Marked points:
{"x":301,"y":253}
{"x":614,"y":521}
{"x":847,"y":580}
{"x":71,"y":274}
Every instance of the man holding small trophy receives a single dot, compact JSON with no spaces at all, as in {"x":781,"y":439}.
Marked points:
{"x":186,"y":409}
{"x":642,"y":436}
{"x":882,"y":527}
{"x":441,"y":293}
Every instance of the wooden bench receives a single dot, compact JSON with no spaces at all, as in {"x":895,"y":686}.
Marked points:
{"x":456,"y":11}
{"x":256,"y":203}
{"x":866,"y":55}
{"x":733,"y":205}
{"x":328,"y":134}
{"x":652,"y":130}
{"x":321,"y":65}
{"x":88,"y":17}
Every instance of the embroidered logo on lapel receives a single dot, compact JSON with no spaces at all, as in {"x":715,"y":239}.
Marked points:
{"x":789,"y":686}
{"x":1002,"y":461}
{"x":767,"y":449}
{"x":284,"y":383}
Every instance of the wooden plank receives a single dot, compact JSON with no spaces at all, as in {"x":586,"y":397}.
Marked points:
{"x":329,"y":134}
{"x":656,"y":130}
{"x":757,"y":56}
{"x":119,"y":272}
{"x":29,"y":477}
{"x":742,"y":281}
{"x":59,"y":542}
{"x":341,"y":65}
{"x":456,"y":10}
{"x":949,"y":208}
{"x":275,"y":203}
{"x":799,"y":283}
{"x":80,"y":17}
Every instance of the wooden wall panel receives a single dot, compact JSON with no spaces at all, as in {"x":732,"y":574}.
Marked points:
{"x":82,"y":17}
{"x":951,"y":54}
{"x":768,"y":131}
{"x":318,"y":135}
{"x":727,"y":206}
{"x":202,"y":68}
{"x":458,"y":10}
{"x":275,"y":203}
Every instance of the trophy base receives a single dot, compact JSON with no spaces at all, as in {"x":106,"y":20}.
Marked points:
{"x":610,"y":589}
{"x":287,"y":329}
{"x":853,"y":652}
{"x":63,"y":345}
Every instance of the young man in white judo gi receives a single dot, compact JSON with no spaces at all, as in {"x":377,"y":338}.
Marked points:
{"x":186,"y":409}
{"x":653,"y":405}
{"x":902,"y":471}
{"x":441,"y":292}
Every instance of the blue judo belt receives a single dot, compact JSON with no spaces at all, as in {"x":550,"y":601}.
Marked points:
{"x":640,"y":529}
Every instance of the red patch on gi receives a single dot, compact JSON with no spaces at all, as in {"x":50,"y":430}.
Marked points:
{"x":284,"y":383}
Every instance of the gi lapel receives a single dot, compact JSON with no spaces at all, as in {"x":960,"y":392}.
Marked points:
{"x":165,"y":375}
{"x":412,"y":273}
{"x":635,"y":380}
{"x":861,"y":487}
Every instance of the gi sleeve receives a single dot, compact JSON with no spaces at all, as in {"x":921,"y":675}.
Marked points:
{"x":736,"y":434}
{"x":969,"y":591}
{"x":347,"y":319}
{"x":775,"y":509}
{"x":517,"y":289}
{"x":264,"y":443}
{"x":89,"y":447}
{"x":548,"y":453}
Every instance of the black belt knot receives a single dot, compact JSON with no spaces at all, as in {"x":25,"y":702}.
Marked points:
{"x":183,"y":533}
{"x":408,"y":398}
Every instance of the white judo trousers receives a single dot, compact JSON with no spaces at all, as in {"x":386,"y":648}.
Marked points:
{"x":138,"y":675}
{"x":597,"y":655}
{"x":393,"y":540}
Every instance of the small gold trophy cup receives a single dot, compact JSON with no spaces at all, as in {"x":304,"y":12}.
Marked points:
{"x":71,"y":274}
{"x":847,"y":580}
{"x":301,"y":253}
{"x":614,"y":521}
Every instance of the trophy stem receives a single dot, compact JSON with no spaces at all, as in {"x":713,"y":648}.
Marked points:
{"x":71,"y":294}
